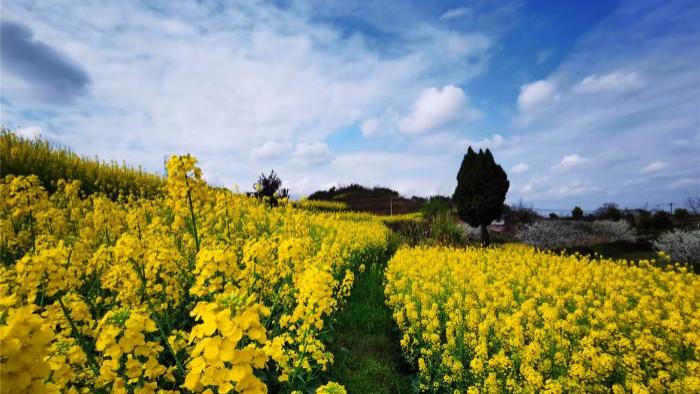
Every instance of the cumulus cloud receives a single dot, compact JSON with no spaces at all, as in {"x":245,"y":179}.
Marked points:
{"x":520,"y":168}
{"x":535,"y":93}
{"x":269,"y":73}
{"x":434,"y":108}
{"x":616,"y":81}
{"x":654,"y":167}
{"x":314,"y":153}
{"x":570,"y":162}
{"x":46,"y":72}
{"x":659,"y":120}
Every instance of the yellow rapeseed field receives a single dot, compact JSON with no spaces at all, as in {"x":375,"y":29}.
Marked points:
{"x":201,"y":290}
{"x":515,"y":320}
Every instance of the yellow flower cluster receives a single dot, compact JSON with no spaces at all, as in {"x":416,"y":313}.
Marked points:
{"x":321,"y":205}
{"x":516,"y":320}
{"x":201,"y":290}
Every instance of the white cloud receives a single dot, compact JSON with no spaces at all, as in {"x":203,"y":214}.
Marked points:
{"x":534,"y":186}
{"x":269,"y":74}
{"x":535,"y":93}
{"x":520,"y":168}
{"x":311,"y":153}
{"x":527,"y":188}
{"x":455,"y":13}
{"x":654,"y":167}
{"x":434,"y":108}
{"x":269,"y":150}
{"x":494,"y":142}
{"x":570,"y":162}
{"x":370,"y":127}
{"x":575,"y":188}
{"x":616,"y":81}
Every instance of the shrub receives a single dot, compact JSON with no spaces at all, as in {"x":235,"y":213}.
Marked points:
{"x":518,"y":214}
{"x":611,"y":231}
{"x":445,"y":230}
{"x":469,"y":233}
{"x":681,"y":246}
{"x":436,"y":205}
{"x":555,"y":234}
{"x":269,"y":188}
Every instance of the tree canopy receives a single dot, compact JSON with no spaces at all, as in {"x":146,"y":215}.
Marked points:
{"x":481,"y":190}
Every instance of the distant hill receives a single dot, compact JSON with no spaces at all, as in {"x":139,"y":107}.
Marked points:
{"x":378,"y":200}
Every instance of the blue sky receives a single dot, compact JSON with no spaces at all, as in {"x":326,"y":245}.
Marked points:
{"x":581,"y":102}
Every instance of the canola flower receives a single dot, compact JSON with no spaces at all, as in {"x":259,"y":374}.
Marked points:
{"x":517,"y":320}
{"x":200,"y":290}
{"x":321,"y":205}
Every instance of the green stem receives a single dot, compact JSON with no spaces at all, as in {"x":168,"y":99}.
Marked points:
{"x":194,"y":222}
{"x":79,"y":337}
{"x":154,"y":316}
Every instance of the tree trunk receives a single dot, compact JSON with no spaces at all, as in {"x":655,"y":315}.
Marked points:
{"x":485,"y":239}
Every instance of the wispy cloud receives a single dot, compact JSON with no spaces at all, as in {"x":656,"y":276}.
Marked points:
{"x":654,"y":167}
{"x":455,"y":13}
{"x":616,"y":81}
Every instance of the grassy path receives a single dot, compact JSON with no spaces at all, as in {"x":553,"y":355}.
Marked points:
{"x":365,"y":343}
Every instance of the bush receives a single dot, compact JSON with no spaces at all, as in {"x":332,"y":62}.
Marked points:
{"x":436,"y":205}
{"x":681,"y":246}
{"x":445,"y":230}
{"x":269,"y":188}
{"x":577,"y":213}
{"x":555,"y":234}
{"x":518,"y":214}
{"x":611,"y":231}
{"x":469,"y":233}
